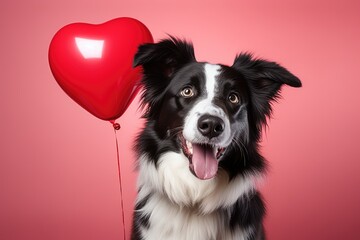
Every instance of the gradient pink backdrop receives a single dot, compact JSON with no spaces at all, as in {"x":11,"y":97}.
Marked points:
{"x":58,"y":177}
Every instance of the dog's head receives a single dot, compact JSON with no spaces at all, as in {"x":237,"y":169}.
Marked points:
{"x":206,"y":109}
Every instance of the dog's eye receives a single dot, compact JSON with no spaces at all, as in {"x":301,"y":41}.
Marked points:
{"x":187,"y":92}
{"x":234,"y":98}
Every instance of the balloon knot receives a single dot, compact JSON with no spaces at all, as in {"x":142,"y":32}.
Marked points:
{"x":116,"y":125}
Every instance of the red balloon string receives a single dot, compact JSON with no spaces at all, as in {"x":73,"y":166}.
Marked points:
{"x":117,"y":127}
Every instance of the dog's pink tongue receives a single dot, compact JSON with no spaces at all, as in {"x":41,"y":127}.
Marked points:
{"x":204,"y":162}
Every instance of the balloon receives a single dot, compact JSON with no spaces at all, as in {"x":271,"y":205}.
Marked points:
{"x":93,"y":64}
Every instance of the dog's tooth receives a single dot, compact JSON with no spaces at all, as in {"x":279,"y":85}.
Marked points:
{"x":215,"y":150}
{"x":189,"y":147}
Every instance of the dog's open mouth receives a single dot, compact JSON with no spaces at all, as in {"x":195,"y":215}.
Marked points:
{"x":203,"y":158}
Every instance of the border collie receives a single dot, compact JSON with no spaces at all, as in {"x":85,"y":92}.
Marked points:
{"x":198,"y":154}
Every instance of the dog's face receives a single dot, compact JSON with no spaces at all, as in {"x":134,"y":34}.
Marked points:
{"x":204,"y":109}
{"x":205,"y":105}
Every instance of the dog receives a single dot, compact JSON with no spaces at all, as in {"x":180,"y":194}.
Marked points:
{"x":198,"y":153}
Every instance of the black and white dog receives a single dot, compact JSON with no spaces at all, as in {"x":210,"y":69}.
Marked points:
{"x":198,"y":152}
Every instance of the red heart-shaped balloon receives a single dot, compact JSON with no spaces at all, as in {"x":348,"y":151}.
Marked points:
{"x":93,"y":64}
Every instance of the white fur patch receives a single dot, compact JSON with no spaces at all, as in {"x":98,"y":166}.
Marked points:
{"x":206,"y":106}
{"x":183,"y":207}
{"x":211,"y":72}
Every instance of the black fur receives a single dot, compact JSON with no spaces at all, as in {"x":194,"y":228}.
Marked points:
{"x":259,"y":84}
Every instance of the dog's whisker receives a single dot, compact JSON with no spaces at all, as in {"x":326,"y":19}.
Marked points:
{"x":242,"y":148}
{"x":174,"y":131}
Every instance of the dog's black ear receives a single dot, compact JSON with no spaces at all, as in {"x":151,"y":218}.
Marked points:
{"x":264,"y":80}
{"x":165,"y":56}
{"x":159,"y":62}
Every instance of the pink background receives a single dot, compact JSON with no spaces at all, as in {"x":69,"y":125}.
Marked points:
{"x":58,"y":175}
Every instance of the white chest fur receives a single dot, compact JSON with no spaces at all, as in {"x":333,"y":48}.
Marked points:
{"x":169,"y":222}
{"x":182,"y":207}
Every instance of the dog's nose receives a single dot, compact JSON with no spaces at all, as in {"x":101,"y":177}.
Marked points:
{"x":210,"y":126}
